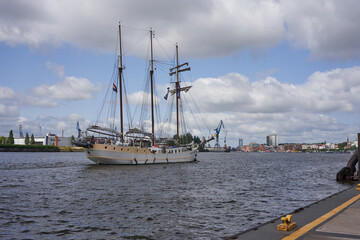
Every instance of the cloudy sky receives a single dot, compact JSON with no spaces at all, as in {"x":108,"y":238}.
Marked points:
{"x":285,"y":67}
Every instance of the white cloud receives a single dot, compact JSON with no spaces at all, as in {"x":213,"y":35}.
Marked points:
{"x":11,"y":100}
{"x":230,"y":26}
{"x":289,"y":126}
{"x":8,"y":111}
{"x":329,"y":29}
{"x":202,"y":28}
{"x":226,"y":93}
{"x":37,"y":101}
{"x":56,"y":68}
{"x":9,"y":118}
{"x":137,"y":98}
{"x":73,"y":117}
{"x":334,"y":91}
{"x":50,"y":124}
{"x":295,"y":112}
{"x":249,"y":109}
{"x":269,"y":95}
{"x":6,"y":93}
{"x":69,"y":88}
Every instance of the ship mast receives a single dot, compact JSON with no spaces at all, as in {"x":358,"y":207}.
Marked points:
{"x":177,"y":86}
{"x":178,"y":89}
{"x":120,"y":86}
{"x":152,"y":88}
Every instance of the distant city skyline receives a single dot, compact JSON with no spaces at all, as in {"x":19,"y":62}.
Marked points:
{"x":289,"y":67}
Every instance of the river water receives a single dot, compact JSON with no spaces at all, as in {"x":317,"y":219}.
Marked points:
{"x":66,"y":196}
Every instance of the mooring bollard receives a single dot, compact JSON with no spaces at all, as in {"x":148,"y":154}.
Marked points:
{"x":287,"y":225}
{"x":358,"y":187}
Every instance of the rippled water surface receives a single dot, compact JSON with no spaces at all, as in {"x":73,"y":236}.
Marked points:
{"x":65,"y":196}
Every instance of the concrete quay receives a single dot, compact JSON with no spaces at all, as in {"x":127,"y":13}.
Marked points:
{"x":335,"y":218}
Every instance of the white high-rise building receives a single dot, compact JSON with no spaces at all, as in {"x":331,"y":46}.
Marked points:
{"x":272,"y":140}
{"x":240,"y":143}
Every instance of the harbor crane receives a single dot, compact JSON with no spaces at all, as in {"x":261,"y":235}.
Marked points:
{"x":217,"y":132}
{"x":78,"y":129}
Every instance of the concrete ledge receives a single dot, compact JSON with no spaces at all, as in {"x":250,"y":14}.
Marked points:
{"x":301,"y":216}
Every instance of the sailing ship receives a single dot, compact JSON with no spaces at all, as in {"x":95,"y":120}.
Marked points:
{"x":136,"y":146}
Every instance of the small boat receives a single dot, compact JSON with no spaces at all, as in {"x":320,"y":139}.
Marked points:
{"x":106,"y":145}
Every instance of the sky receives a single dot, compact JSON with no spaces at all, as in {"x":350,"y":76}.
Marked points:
{"x":285,"y":67}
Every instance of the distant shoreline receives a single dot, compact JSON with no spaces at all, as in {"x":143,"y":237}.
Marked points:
{"x":38,"y":148}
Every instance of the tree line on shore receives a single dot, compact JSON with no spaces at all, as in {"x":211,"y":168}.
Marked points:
{"x":10,"y":139}
{"x":189,"y":138}
{"x":7,"y":145}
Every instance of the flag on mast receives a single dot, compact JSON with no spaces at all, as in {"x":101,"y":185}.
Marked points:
{"x":114,"y":88}
{"x":167,"y":94}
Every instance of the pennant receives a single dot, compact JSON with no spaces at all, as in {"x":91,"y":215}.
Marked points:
{"x":114,"y":88}
{"x":167,"y":94}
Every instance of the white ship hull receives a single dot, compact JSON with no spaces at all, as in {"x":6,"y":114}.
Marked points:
{"x":110,"y":154}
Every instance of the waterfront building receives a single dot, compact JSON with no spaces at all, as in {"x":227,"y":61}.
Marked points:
{"x":245,"y":148}
{"x":241,"y":143}
{"x":314,"y":146}
{"x":352,"y":144}
{"x":254,"y":147}
{"x":306,"y":146}
{"x":321,"y":146}
{"x":330,"y":146}
{"x":272,"y":140}
{"x":21,"y":141}
{"x":54,"y":140}
{"x":49,"y":139}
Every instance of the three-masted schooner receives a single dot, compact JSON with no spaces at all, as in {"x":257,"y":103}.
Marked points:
{"x":137,"y":146}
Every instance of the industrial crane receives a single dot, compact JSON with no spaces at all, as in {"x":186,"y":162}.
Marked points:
{"x":78,"y":129}
{"x":217,"y":132}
